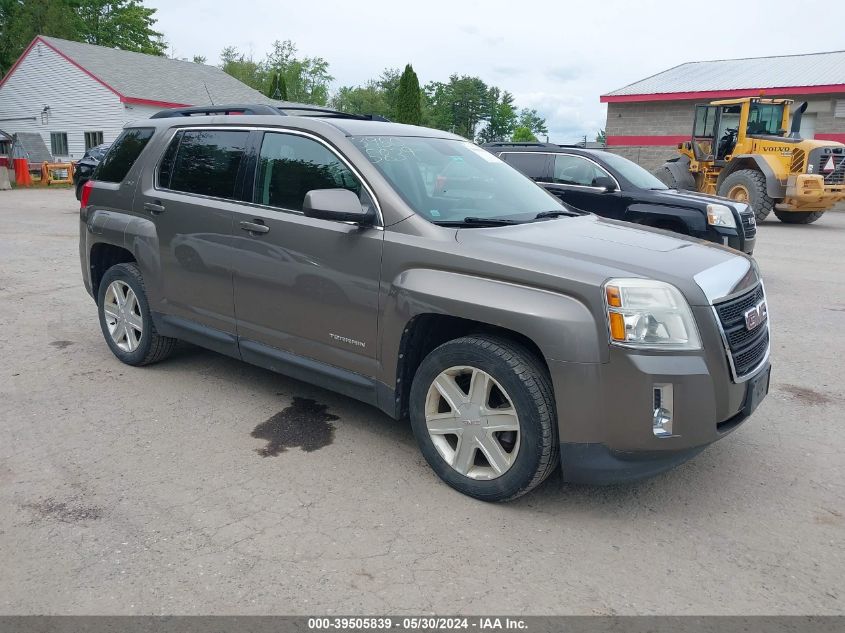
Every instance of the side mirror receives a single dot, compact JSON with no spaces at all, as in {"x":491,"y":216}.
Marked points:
{"x":340,"y":205}
{"x":606,"y":182}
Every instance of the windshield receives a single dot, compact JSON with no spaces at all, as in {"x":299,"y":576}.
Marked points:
{"x":632,"y":172}
{"x":447,"y":180}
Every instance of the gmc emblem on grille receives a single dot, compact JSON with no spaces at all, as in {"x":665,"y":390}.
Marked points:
{"x":755,"y":316}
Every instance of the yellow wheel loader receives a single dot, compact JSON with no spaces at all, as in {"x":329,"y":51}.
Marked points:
{"x":745,"y":149}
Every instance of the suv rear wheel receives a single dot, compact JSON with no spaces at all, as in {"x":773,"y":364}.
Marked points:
{"x":483,"y":413}
{"x":125,"y":318}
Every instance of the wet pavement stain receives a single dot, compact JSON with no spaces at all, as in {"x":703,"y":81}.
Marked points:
{"x":806,"y":395}
{"x":61,"y":344}
{"x":305,"y":423}
{"x":65,"y":512}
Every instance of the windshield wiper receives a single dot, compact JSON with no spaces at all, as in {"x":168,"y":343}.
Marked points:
{"x":558,"y":213}
{"x":474,"y":221}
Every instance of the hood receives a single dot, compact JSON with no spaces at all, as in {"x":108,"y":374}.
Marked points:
{"x":693,"y":198}
{"x":588,"y":250}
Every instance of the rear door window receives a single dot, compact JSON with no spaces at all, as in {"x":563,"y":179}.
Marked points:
{"x":533,"y":165}
{"x":204,"y":162}
{"x":122,"y":154}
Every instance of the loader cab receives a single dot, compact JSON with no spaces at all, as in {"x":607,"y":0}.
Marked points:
{"x":715,"y":132}
{"x":722,"y":126}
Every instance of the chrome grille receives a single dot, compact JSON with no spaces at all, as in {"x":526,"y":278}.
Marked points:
{"x":746,"y":349}
{"x":749,"y":224}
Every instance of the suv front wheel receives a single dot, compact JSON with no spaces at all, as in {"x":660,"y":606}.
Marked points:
{"x":483,"y":413}
{"x":125,"y":318}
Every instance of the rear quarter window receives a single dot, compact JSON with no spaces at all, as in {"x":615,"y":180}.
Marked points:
{"x":122,"y":154}
{"x":533,"y":165}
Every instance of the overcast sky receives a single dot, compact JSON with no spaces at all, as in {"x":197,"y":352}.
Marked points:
{"x":557,"y":57}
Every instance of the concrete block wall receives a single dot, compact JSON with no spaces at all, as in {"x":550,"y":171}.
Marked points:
{"x":650,"y":118}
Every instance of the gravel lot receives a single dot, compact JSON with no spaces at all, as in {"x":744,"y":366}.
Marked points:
{"x":146,"y":491}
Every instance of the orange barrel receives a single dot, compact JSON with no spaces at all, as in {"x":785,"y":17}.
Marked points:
{"x":22,"y":172}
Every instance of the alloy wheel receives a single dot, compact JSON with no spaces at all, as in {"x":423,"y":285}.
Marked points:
{"x":472,"y":422}
{"x":123,"y":316}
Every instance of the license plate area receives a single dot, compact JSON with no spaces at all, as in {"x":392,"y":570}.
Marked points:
{"x":757,"y":389}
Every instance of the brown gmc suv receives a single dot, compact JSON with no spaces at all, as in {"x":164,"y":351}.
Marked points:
{"x":410,"y":269}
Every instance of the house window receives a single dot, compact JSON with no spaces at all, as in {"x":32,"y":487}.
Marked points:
{"x":839,"y":109}
{"x":92,"y":139}
{"x":58,"y":143}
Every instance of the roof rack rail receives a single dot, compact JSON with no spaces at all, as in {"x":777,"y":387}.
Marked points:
{"x":289,"y":109}
{"x":211,"y":110}
{"x":519,"y":144}
{"x":309,"y":110}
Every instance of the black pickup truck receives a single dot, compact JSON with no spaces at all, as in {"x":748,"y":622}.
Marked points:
{"x":611,"y":186}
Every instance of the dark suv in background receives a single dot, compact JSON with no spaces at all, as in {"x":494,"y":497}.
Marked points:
{"x":614,"y":187}
{"x":411,"y":269}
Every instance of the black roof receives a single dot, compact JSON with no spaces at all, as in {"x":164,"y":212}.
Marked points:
{"x":283,"y":109}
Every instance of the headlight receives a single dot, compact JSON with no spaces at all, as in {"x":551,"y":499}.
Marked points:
{"x":649,"y":314}
{"x":720,"y":215}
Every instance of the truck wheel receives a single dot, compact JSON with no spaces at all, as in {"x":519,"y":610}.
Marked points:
{"x":749,"y":186}
{"x":667,"y":177}
{"x":798,"y":217}
{"x":482,"y":410}
{"x":125,"y":318}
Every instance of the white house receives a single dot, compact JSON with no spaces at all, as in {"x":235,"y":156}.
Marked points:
{"x":79,"y":95}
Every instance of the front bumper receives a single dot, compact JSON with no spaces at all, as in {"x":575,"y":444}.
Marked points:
{"x":808,"y":192}
{"x":605,"y":410}
{"x":598,"y":463}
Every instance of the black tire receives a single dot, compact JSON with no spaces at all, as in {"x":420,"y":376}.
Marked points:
{"x":667,"y":177}
{"x":525,"y":379}
{"x":755,"y":184}
{"x":798,"y":217}
{"x":152,"y":347}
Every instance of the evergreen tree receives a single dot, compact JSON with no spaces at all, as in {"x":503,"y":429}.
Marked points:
{"x":409,"y":98}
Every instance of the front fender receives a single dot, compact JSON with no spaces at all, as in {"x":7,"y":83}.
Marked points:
{"x":562,"y":327}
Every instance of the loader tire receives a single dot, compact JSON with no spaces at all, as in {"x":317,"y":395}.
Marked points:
{"x":665,"y":175}
{"x":798,"y":217}
{"x":749,"y":186}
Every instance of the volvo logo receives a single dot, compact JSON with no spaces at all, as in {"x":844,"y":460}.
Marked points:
{"x":755,"y":316}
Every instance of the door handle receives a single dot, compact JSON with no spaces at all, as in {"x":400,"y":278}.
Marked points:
{"x":154,"y":207}
{"x":255,"y":227}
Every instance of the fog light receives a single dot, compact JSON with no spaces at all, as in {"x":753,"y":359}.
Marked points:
{"x":661,"y":424}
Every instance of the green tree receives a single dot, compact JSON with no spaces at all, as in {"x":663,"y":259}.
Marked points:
{"x":502,"y":120}
{"x":199,"y":59}
{"x":125,"y":24}
{"x":369,"y":99}
{"x":523,"y":134}
{"x":307,"y":79}
{"x":388,"y":84}
{"x":601,"y":137}
{"x":273,"y":91}
{"x":243,"y":68}
{"x":408,"y":98}
{"x":533,"y":121}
